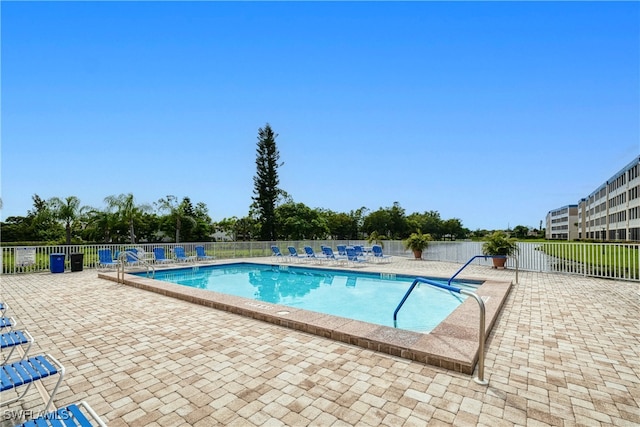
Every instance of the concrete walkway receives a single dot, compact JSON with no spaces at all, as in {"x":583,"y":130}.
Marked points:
{"x":564,"y":351}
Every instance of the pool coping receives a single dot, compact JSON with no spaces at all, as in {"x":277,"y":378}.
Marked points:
{"x":453,"y":344}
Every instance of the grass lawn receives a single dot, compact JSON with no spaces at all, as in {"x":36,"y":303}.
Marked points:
{"x":608,"y":259}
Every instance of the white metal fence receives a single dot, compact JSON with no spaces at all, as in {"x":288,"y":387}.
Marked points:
{"x":608,"y":260}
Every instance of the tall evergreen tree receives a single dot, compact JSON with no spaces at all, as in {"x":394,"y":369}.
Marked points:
{"x":266,"y":182}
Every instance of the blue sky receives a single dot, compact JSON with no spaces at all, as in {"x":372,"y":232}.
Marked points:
{"x":493,"y":113}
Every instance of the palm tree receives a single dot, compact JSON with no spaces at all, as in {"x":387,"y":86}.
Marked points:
{"x":177,"y":212}
{"x":100,"y":225}
{"x":127,"y":210}
{"x":376,"y":238}
{"x":66,"y":210}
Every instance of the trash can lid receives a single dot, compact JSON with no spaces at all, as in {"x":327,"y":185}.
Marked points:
{"x":57,"y":254}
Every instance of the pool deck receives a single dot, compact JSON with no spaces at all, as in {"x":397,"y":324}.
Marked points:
{"x":564,"y":350}
{"x":453,"y":344}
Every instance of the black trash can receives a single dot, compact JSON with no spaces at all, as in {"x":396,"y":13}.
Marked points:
{"x":56,"y":263}
{"x":77,"y":261}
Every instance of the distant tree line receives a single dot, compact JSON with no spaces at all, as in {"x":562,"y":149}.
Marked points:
{"x":122,"y":220}
{"x":273,"y":215}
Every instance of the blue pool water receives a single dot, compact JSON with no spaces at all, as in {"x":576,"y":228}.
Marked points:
{"x":369,"y":297}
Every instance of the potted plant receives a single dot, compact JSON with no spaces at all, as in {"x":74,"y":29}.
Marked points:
{"x":417,"y":242}
{"x":499,"y":244}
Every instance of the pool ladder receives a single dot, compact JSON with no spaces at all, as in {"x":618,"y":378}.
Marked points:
{"x":123,"y":258}
{"x":481,"y":335}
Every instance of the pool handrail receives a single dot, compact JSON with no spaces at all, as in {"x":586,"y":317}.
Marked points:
{"x":395,"y":313}
{"x":479,"y":379}
{"x":126,"y":255}
{"x":485,"y":257}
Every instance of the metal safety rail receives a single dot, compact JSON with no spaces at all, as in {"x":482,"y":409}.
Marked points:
{"x":618,"y":261}
{"x":481,"y":336}
{"x":123,"y":259}
{"x":485,"y":257}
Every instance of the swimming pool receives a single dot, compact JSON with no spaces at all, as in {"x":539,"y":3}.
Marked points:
{"x":453,"y":344}
{"x":367,"y":297}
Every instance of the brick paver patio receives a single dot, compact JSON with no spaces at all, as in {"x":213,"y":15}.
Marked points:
{"x":564,"y":351}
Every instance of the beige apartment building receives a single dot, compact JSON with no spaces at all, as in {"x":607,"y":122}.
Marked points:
{"x":611,"y":212}
{"x":562,"y":223}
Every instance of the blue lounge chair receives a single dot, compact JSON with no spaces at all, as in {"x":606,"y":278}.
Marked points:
{"x":342,"y":250}
{"x":7,"y":322}
{"x":359,"y":250}
{"x":201,"y":255}
{"x":3,"y":308}
{"x":144,"y":256}
{"x":331,"y":256}
{"x":293,"y":253}
{"x":105,"y":259}
{"x":311,"y":254}
{"x":78,"y":414}
{"x":275,"y":252}
{"x":132,"y":256}
{"x":13,"y":340}
{"x":160,"y":257}
{"x":181,"y":256}
{"x":324,"y":249}
{"x":28,"y":371}
{"x":378,"y":255}
{"x":353,"y":258}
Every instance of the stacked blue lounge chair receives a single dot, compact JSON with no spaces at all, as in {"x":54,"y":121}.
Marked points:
{"x":7,"y":323}
{"x":331,"y":256}
{"x":27,"y":370}
{"x":3,"y":308}
{"x":353,"y":258}
{"x":359,"y":250}
{"x":13,"y":340}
